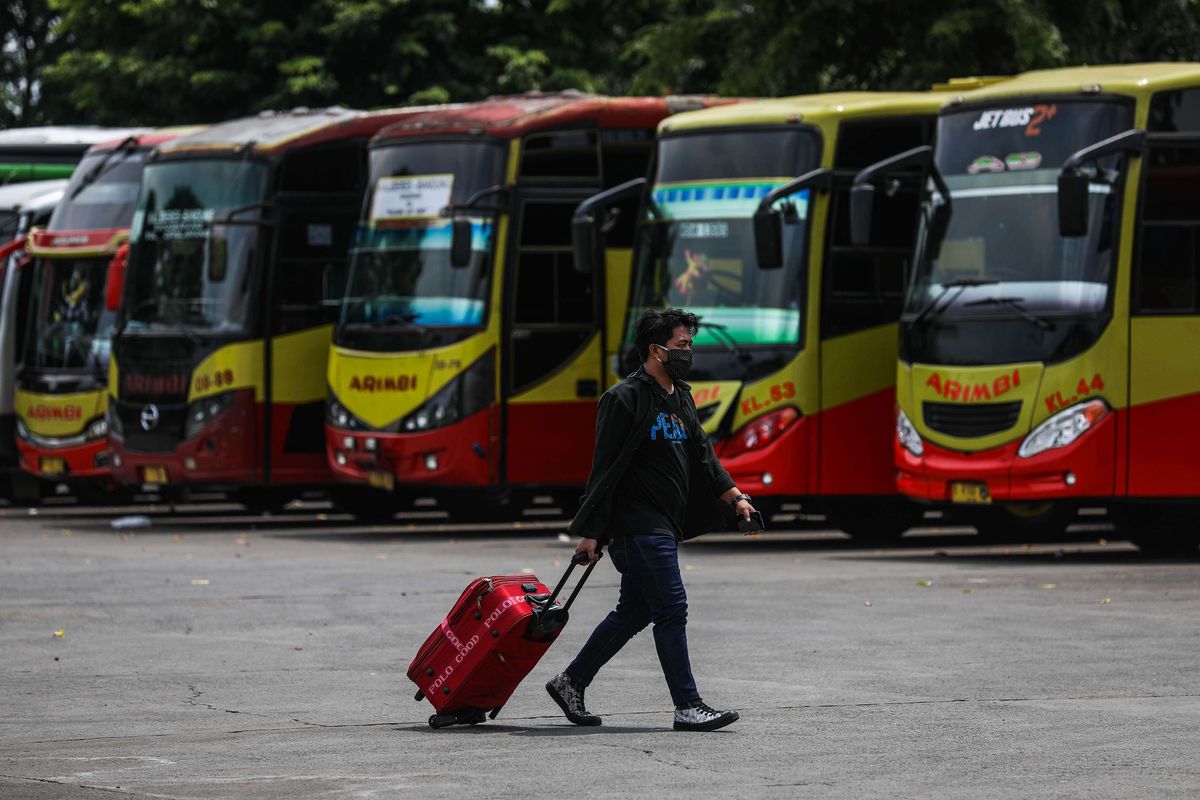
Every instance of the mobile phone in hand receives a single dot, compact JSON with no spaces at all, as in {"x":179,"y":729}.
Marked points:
{"x":755,"y":523}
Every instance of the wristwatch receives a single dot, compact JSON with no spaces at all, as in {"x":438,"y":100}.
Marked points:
{"x":739,"y":499}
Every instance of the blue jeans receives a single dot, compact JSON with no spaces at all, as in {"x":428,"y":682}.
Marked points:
{"x":651,"y":591}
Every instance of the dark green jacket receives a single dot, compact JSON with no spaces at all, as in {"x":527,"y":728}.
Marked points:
{"x":622,"y":420}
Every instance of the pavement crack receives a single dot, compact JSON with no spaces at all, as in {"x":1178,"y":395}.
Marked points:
{"x":105,"y":789}
{"x":194,"y":701}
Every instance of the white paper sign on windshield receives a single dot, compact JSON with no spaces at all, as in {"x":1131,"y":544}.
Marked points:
{"x":411,"y":197}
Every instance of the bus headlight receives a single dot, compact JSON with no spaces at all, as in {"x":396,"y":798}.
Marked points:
{"x":760,"y":432}
{"x":98,"y":429}
{"x":202,"y":412}
{"x":1063,"y":428}
{"x":467,"y":393}
{"x":338,"y":417}
{"x":907,"y":434}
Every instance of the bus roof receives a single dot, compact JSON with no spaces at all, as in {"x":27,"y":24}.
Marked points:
{"x":151,"y":138}
{"x":275,"y":131}
{"x":80,"y":136}
{"x":808,"y":108}
{"x":516,"y":115}
{"x":32,"y":194}
{"x":1127,"y":79}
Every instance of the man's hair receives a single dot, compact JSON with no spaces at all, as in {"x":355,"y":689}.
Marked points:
{"x":658,"y":325}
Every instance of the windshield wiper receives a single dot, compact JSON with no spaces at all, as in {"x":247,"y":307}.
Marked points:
{"x":100,"y":169}
{"x":721,"y":334}
{"x":1014,"y":303}
{"x":962,"y":284}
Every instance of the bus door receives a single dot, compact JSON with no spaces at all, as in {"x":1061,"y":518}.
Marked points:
{"x":309,"y":279}
{"x":1164,"y":369}
{"x":553,"y":354}
{"x":862,"y":292}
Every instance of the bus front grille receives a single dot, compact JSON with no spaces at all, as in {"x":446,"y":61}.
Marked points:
{"x":968,"y":420}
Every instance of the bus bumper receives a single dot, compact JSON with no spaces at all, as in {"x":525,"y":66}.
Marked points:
{"x":454,"y":455}
{"x":88,"y":460}
{"x":224,"y":453}
{"x":1084,"y":468}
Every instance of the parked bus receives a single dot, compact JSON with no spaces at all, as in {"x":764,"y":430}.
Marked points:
{"x":1047,"y":350}
{"x":746,"y":223}
{"x":22,"y":206}
{"x":471,"y":351}
{"x":236,"y":269}
{"x":78,"y":261}
{"x":49,"y":153}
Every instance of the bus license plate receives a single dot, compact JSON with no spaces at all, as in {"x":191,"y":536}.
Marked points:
{"x":381,"y":480}
{"x":154,"y":475}
{"x":53,"y":466}
{"x":969,"y":492}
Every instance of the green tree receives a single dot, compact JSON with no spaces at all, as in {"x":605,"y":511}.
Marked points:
{"x":28,"y":45}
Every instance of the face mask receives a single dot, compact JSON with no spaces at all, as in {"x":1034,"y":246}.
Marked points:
{"x":678,"y":363}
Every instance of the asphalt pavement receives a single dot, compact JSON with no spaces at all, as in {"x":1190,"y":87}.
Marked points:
{"x":215,"y":655}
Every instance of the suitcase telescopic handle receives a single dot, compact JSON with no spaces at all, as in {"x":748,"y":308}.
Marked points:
{"x":576,"y":560}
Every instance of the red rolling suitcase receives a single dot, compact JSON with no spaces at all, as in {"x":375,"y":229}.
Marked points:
{"x":501,"y":625}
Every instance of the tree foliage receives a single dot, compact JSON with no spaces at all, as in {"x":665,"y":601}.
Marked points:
{"x":173,"y":61}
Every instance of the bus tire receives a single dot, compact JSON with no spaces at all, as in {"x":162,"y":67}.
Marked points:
{"x":1160,"y":530}
{"x":875,"y":521}
{"x":1035,"y":521}
{"x":365,"y":504}
{"x":264,"y":501}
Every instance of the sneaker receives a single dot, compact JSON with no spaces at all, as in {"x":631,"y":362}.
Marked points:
{"x":569,"y":696}
{"x":696,"y":716}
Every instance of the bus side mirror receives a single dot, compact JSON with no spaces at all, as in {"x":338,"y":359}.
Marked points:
{"x":114,"y":281}
{"x":768,"y":239}
{"x":460,"y":243}
{"x":862,"y":211}
{"x":218,"y":259}
{"x":1073,"y":204}
{"x":585,"y":243}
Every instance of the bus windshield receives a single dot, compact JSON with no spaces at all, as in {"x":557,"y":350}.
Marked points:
{"x":191,"y":262}
{"x":1002,"y":255}
{"x":70,"y":328}
{"x":102,"y":192}
{"x":402,"y":289}
{"x":695,"y":246}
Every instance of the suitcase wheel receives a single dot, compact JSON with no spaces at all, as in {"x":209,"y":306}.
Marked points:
{"x":442,"y":720}
{"x":419,"y":696}
{"x":472,"y":716}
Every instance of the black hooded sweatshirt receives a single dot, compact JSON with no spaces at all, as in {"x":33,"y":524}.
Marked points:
{"x":625,"y":414}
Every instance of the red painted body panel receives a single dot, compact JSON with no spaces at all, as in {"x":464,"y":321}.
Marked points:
{"x":80,"y":459}
{"x":784,"y":459}
{"x":856,"y":442}
{"x":1164,"y":448}
{"x":550,"y":443}
{"x":518,"y":115}
{"x":294,"y":468}
{"x":462,"y":665}
{"x":1091,"y":458}
{"x":403,"y":454}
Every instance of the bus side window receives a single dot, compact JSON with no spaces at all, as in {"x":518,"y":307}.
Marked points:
{"x":553,"y":305}
{"x":565,"y":156}
{"x":1166,"y":279}
{"x":863,"y":287}
{"x":624,"y":155}
{"x":311,"y":265}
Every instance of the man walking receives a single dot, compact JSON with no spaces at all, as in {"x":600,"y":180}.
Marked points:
{"x":654,"y":481}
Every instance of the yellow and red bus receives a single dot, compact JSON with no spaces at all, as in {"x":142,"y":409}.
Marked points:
{"x":236,"y":268}
{"x":62,"y":433}
{"x":471,"y":350}
{"x":22,"y":206}
{"x":1047,"y":350}
{"x":746,"y":223}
